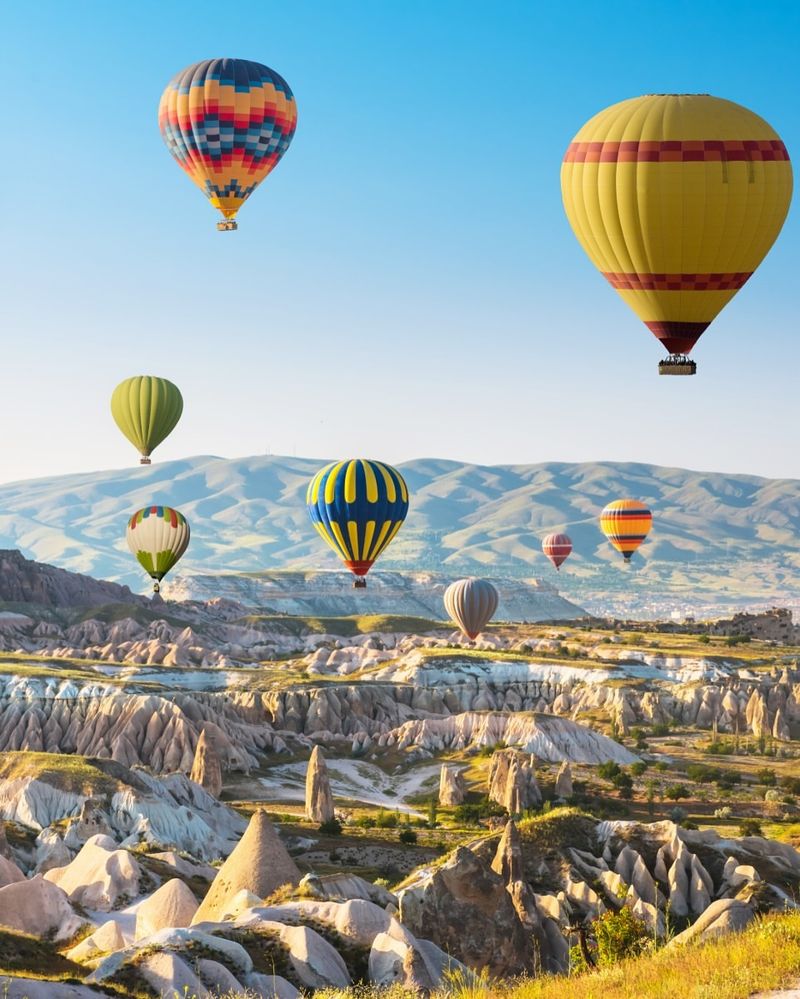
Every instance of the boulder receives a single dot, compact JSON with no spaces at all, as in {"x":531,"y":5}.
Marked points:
{"x":39,"y":908}
{"x":173,"y":905}
{"x":270,"y":986}
{"x":207,"y":767}
{"x":397,"y":962}
{"x":464,"y":908}
{"x":99,"y":877}
{"x":169,"y":974}
{"x":451,"y":785}
{"x":259,"y":863}
{"x":9,"y":872}
{"x":217,"y":977}
{"x":726,"y":915}
{"x":319,"y":800}
{"x":105,"y":939}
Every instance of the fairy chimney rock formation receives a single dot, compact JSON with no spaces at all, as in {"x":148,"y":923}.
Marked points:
{"x":512,"y":781}
{"x":564,"y":781}
{"x":259,"y":864}
{"x":319,"y":800}
{"x":206,"y":768}
{"x":451,"y":786}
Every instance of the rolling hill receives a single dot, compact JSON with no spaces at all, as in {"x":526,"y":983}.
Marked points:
{"x":718,"y":539}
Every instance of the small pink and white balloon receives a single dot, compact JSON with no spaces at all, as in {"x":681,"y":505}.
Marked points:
{"x":557,"y":547}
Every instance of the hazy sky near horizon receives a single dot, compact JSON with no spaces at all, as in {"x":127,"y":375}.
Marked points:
{"x":405,"y":284}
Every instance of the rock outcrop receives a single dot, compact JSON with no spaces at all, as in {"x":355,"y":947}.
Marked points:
{"x":259,"y":863}
{"x":206,"y":767}
{"x":512,"y":781}
{"x":100,"y":877}
{"x":39,"y":909}
{"x":319,"y":800}
{"x":464,"y":908}
{"x":451,"y":785}
{"x":563,"y":788}
{"x":172,"y":905}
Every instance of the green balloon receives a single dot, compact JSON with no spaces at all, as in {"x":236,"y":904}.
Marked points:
{"x":146,"y":409}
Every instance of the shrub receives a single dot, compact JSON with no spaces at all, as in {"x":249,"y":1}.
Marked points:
{"x":723,"y":813}
{"x":766,"y":776}
{"x":749,"y":827}
{"x":470,"y":813}
{"x":386,"y":820}
{"x":609,"y":770}
{"x":331,"y":827}
{"x":407,"y":836}
{"x":678,"y":815}
{"x":637,"y":769}
{"x":365,"y":822}
{"x":703,"y":639}
{"x":659,"y":729}
{"x":676,"y":791}
{"x":618,"y":935}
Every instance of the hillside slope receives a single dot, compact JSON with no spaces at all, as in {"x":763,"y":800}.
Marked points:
{"x":716,"y":537}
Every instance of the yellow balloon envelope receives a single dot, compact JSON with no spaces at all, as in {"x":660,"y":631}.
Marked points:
{"x":676,"y":199}
{"x":626,"y":523}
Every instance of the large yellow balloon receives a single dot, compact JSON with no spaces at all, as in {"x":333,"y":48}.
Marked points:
{"x":676,"y":198}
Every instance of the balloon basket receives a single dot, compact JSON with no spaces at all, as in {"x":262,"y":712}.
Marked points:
{"x":227,"y":225}
{"x":144,"y":461}
{"x":359,"y":584}
{"x":677,"y":364}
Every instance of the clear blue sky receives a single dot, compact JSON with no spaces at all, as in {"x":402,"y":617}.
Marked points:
{"x":405,"y":284}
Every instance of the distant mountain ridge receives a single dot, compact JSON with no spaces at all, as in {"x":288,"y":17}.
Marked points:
{"x":718,"y":538}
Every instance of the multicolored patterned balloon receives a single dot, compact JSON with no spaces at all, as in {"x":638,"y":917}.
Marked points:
{"x":557,"y":547}
{"x":227,"y":122}
{"x":471,"y":603}
{"x":357,"y":506}
{"x":626,"y":523}
{"x":158,"y":536}
{"x":146,"y":409}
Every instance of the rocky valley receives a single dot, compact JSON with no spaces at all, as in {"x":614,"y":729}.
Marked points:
{"x":218,"y":795}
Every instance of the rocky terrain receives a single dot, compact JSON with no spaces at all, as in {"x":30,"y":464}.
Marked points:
{"x":216,"y":795}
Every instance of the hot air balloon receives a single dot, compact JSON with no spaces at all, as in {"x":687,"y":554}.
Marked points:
{"x":227,"y":122}
{"x":676,"y":199}
{"x":357,"y":506}
{"x":146,"y":409}
{"x":626,"y":523}
{"x":158,"y":536}
{"x":557,"y":548}
{"x":471,"y":604}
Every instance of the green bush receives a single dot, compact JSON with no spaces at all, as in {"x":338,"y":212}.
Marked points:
{"x":331,"y":827}
{"x":365,"y":822}
{"x":618,"y":935}
{"x":676,"y":791}
{"x":470,"y":813}
{"x":609,"y":770}
{"x":387,"y":820}
{"x":407,"y":836}
{"x":766,"y":776}
{"x":750,"y":827}
{"x":638,"y":768}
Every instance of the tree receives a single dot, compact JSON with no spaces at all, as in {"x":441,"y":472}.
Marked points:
{"x":749,"y":827}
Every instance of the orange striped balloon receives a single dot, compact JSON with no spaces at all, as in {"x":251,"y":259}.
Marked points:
{"x":626,"y":523}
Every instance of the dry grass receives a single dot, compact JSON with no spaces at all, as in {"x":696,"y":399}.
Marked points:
{"x":764,"y":957}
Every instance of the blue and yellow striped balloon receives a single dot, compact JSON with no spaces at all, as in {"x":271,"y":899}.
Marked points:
{"x":357,"y":506}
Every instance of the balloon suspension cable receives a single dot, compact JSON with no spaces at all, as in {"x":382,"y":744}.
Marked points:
{"x":144,"y":461}
{"x":227,"y":225}
{"x":677,"y":364}
{"x":359,"y":583}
